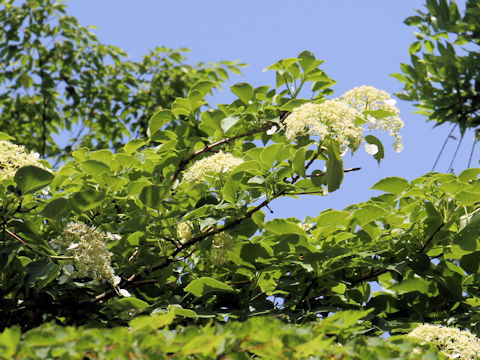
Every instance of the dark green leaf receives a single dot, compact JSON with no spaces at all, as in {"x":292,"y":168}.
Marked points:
{"x":381,"y":151}
{"x":206,"y":285}
{"x":152,"y":195}
{"x":334,"y":172}
{"x":31,"y":178}
{"x":86,"y":200}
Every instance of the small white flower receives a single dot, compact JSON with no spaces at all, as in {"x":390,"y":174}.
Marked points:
{"x":397,"y":146}
{"x":391,"y":102}
{"x":272,"y":130}
{"x":371,"y":149}
{"x":343,"y":149}
{"x":73,"y":246}
{"x":124,"y":293}
{"x":116,"y":280}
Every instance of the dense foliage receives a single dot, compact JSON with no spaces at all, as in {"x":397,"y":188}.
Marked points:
{"x":443,"y":77}
{"x":160,"y":247}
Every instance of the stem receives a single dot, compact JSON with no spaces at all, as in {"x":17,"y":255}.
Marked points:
{"x":443,"y":147}
{"x":172,"y":257}
{"x":44,"y":104}
{"x":471,"y":152}
{"x":450,"y":167}
{"x":288,"y":86}
{"x":299,"y":88}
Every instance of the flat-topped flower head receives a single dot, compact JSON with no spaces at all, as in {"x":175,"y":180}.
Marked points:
{"x":221,"y":244}
{"x":88,"y":248}
{"x":368,"y":98}
{"x":184,"y":230}
{"x":455,"y":343}
{"x":211,"y":166}
{"x":330,"y":119}
{"x":341,"y":119}
{"x":13,"y":157}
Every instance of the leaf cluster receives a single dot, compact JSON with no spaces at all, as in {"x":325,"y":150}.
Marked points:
{"x":443,"y":77}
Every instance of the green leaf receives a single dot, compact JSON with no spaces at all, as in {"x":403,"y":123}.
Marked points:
{"x":95,"y":168}
{"x":86,"y":200}
{"x":127,"y":304}
{"x":133,"y":145}
{"x":206,"y":285}
{"x":298,"y":163}
{"x":152,"y":195}
{"x":334,"y":173}
{"x":466,"y":239}
{"x":151,"y":322}
{"x":410,"y":285}
{"x":230,"y":190}
{"x":57,"y":209}
{"x":468,"y":174}
{"x":181,"y":106}
{"x":31,"y":178}
{"x":308,"y":61}
{"x":4,"y":136}
{"x":269,"y":155}
{"x":368,"y":213}
{"x":393,"y":185}
{"x":204,"y":87}
{"x":281,"y":226}
{"x":229,"y":122}
{"x":244,"y":91}
{"x":467,"y":198}
{"x":9,"y":339}
{"x":381,"y":151}
{"x":416,"y":46}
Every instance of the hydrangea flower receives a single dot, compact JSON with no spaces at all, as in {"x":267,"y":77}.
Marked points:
{"x":368,"y":98}
{"x":455,"y":343}
{"x":330,"y":119}
{"x":212,"y":165}
{"x":339,"y":119}
{"x":184,"y":230}
{"x":88,"y":248}
{"x":13,"y":157}
{"x":221,"y":244}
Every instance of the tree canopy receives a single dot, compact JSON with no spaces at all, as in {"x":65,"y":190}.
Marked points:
{"x":159,"y":246}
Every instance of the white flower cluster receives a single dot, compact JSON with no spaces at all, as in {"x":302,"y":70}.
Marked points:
{"x":13,"y":157}
{"x":88,"y":248}
{"x":222,"y":243}
{"x":184,"y":231}
{"x":455,"y":343}
{"x":339,"y":118}
{"x":215,"y":164}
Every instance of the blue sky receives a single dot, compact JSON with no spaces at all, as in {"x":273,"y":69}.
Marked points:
{"x":362,"y":43}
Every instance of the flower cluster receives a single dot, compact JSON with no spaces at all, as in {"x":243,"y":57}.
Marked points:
{"x":88,"y":249}
{"x":184,"y":230}
{"x":341,"y":119}
{"x":455,"y":343}
{"x":221,"y":244}
{"x":13,"y":157}
{"x":212,"y":165}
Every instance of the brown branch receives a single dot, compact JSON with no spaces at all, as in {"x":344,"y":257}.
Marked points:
{"x":344,"y":170}
{"x":172,"y":257}
{"x":16,"y":237}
